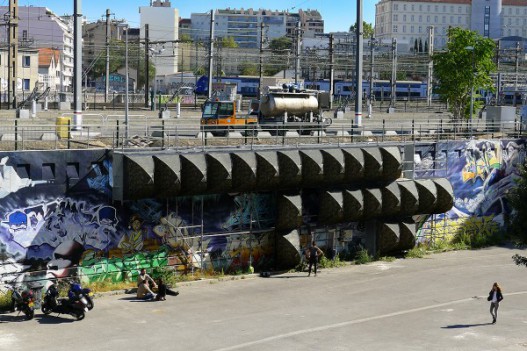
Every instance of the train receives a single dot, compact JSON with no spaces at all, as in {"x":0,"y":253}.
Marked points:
{"x":248,"y":86}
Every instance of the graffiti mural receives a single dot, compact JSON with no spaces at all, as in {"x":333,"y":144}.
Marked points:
{"x":481,"y":172}
{"x":49,"y":232}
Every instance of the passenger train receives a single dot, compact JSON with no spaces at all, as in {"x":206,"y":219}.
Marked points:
{"x":248,"y":86}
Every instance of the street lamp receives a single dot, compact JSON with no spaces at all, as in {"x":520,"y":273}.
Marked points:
{"x":154,"y":53}
{"x":372,"y":43}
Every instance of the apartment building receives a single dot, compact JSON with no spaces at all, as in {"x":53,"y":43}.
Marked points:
{"x":408,"y":21}
{"x":39,"y":27}
{"x":163,"y":25}
{"x":244,"y":25}
{"x":27,"y":72}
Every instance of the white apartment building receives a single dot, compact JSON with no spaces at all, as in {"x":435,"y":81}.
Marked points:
{"x":408,"y":21}
{"x":39,"y":27}
{"x":163,"y":23}
{"x":244,"y":25}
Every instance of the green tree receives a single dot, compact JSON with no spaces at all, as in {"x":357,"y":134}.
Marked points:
{"x":185,"y":38}
{"x":228,"y":42}
{"x":467,"y":62}
{"x":280,"y":44}
{"x":517,"y":198}
{"x":249,"y":69}
{"x":136,"y":61}
{"x":367,"y":29}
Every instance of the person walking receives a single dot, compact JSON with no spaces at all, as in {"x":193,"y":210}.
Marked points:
{"x":495,"y":297}
{"x":313,"y":253}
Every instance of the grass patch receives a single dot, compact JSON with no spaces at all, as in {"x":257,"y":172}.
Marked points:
{"x":387,"y":258}
{"x":327,"y":263}
{"x":417,"y":252}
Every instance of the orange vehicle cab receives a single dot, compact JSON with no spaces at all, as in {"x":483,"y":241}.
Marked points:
{"x":219,"y":117}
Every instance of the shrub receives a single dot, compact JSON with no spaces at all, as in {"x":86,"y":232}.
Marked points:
{"x":363,"y":257}
{"x":416,"y":252}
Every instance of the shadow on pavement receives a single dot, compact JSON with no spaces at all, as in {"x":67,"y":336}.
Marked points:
{"x":54,"y":319}
{"x":458,"y":326}
{"x":11,"y":318}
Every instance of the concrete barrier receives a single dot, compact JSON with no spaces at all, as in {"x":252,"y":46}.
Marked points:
{"x":390,"y":133}
{"x":366,"y":133}
{"x":202,"y":135}
{"x":343,"y":133}
{"x":49,"y":137}
{"x":234,"y":135}
{"x":264,"y":135}
{"x":291,"y":134}
{"x":320,"y":133}
{"x":9,"y":137}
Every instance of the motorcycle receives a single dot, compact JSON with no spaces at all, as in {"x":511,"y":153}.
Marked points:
{"x":53,"y":304}
{"x":77,"y":291}
{"x":22,"y":301}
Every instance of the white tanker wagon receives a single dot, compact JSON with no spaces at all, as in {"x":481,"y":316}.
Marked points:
{"x":286,"y":108}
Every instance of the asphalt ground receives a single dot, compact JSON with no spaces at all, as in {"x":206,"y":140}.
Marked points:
{"x":435,"y":303}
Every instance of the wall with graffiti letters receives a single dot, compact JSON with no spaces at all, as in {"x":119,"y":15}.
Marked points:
{"x":57,"y":217}
{"x":481,"y":173}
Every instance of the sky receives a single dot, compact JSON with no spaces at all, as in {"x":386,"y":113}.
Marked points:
{"x":338,"y":15}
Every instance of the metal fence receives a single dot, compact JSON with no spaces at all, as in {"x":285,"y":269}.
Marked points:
{"x":111,"y":131}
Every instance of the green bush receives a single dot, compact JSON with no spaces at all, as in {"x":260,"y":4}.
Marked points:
{"x":416,"y":252}
{"x":5,"y":300}
{"x":363,"y":257}
{"x":327,"y":263}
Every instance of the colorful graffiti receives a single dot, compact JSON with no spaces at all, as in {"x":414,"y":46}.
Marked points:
{"x":481,"y":172}
{"x":51,"y":233}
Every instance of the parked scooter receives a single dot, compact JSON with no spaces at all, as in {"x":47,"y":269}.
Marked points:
{"x":77,"y":291}
{"x":22,"y":301}
{"x":53,"y":304}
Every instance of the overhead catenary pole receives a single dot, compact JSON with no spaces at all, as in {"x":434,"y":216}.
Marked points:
{"x":260,"y":67}
{"x":107,"y":76}
{"x":358,"y":65}
{"x":211,"y":54}
{"x":297,"y":55}
{"x":372,"y":61}
{"x":126,"y":106}
{"x":331,"y":70}
{"x":429,"y":76}
{"x":393,"y":92}
{"x":147,"y":65}
{"x":77,"y":65}
{"x":13,"y":53}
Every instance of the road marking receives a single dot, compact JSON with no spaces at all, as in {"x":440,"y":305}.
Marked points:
{"x":356,"y":321}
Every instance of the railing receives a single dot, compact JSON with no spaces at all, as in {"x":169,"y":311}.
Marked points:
{"x":109,"y":131}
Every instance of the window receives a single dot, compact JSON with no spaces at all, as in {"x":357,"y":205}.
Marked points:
{"x":412,"y":18}
{"x":412,"y":7}
{"x":435,"y":19}
{"x":395,"y":18}
{"x":411,"y":29}
{"x":420,"y":18}
{"x":404,"y":18}
{"x":25,"y":84}
{"x":444,"y":19}
{"x":420,"y":7}
{"x":396,"y":7}
{"x":428,"y":19}
{"x":404,"y":29}
{"x":404,"y":7}
{"x":24,"y":35}
{"x":394,"y":28}
{"x":26,"y":61}
{"x":420,"y":29}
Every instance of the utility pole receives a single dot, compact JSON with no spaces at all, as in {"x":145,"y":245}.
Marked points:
{"x":211,"y":53}
{"x":331,"y":70}
{"x":77,"y":65}
{"x":261,"y":60}
{"x":147,"y":64}
{"x":297,"y":58}
{"x":516,"y":66}
{"x":429,"y":77}
{"x":393,"y":97}
{"x":107,"y":78}
{"x":498,"y":47}
{"x":358,"y":65}
{"x":13,"y":53}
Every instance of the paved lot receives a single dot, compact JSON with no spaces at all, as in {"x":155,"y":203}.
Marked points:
{"x":435,"y":303}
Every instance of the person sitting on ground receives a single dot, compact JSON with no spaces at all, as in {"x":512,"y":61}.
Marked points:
{"x":143,"y":286}
{"x":163,"y":290}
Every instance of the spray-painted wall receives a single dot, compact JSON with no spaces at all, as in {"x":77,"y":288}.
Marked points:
{"x":57,"y":214}
{"x":481,"y":173}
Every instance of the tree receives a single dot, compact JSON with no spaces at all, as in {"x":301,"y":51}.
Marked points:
{"x":460,"y":68}
{"x":280,"y":44}
{"x":185,"y":38}
{"x":367,"y":29}
{"x":249,"y":69}
{"x":136,"y":61}
{"x":421,"y":45}
{"x":228,"y":42}
{"x":416,"y":46}
{"x":516,"y":224}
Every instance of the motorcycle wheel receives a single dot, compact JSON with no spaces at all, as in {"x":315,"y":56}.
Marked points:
{"x":29,"y":313}
{"x":90,"y":303}
{"x":80,"y":315}
{"x":45,"y":309}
